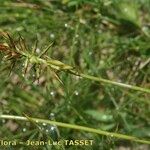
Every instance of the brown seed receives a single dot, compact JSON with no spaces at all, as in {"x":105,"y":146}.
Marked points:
{"x":3,"y":47}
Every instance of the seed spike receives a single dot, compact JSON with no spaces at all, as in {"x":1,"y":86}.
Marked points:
{"x":12,"y":43}
{"x":35,"y":46}
{"x":20,"y":43}
{"x":26,"y":66}
{"x":4,"y":34}
{"x":23,"y":43}
{"x":12,"y":66}
{"x":58,"y":78}
{"x":47,"y":48}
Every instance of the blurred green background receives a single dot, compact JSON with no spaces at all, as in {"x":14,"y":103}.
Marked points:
{"x":104,"y":38}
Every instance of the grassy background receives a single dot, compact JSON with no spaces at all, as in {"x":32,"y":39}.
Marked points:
{"x":109,"y":39}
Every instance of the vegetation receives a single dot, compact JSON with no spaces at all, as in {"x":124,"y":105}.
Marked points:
{"x":75,"y":69}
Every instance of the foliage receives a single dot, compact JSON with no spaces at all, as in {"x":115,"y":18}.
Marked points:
{"x":49,"y":43}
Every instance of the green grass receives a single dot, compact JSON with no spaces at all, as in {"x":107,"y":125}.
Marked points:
{"x":104,"y":41}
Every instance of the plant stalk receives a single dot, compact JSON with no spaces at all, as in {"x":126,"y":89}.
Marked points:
{"x":77,"y":127}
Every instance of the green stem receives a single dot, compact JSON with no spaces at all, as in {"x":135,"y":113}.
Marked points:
{"x":98,"y":79}
{"x":77,"y":127}
{"x":132,"y":87}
